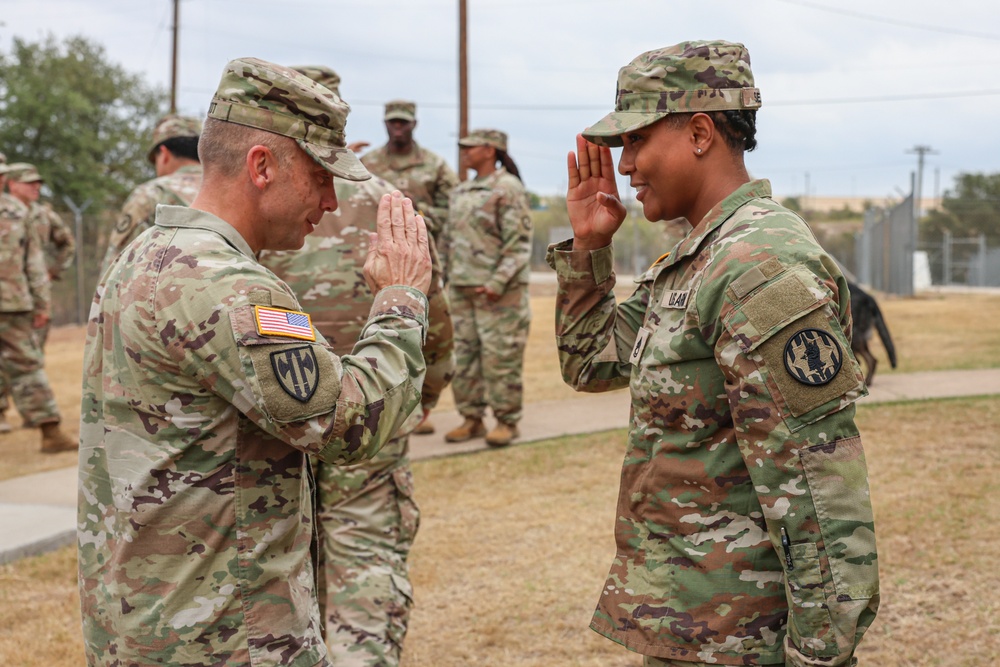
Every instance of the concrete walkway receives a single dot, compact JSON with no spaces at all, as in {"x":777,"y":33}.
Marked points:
{"x":38,"y":512}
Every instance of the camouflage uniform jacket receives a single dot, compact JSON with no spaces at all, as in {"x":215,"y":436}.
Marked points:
{"x":24,"y":279}
{"x":176,"y":189}
{"x":56,"y":238}
{"x":195,"y":510}
{"x":327,"y":276}
{"x":745,"y":532}
{"x":421,"y":175}
{"x":489,"y":233}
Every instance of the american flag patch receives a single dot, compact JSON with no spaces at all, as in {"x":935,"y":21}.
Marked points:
{"x":291,"y":323}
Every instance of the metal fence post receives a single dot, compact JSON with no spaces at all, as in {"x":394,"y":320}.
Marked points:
{"x":78,"y":225}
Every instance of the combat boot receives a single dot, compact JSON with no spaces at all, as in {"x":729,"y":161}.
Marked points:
{"x":502,"y":435}
{"x":55,"y":441}
{"x":5,"y":426}
{"x":471,"y":428}
{"x":425,"y":427}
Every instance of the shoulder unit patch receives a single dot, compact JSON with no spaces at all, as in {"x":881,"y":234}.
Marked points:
{"x":297,"y":371}
{"x":813,"y":356}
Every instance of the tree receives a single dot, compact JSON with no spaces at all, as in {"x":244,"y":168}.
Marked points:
{"x":85,"y":123}
{"x":82,"y":120}
{"x":971,"y":208}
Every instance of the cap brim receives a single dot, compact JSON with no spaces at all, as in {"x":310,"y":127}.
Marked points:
{"x":399,"y":116}
{"x":341,"y":162}
{"x":608,"y":130}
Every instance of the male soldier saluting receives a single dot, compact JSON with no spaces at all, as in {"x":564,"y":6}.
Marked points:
{"x":174,"y":154}
{"x":206,"y":387}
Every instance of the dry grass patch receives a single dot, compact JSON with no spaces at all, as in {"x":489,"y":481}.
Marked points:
{"x":515,"y":544}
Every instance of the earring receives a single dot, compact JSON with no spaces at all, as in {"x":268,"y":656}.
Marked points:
{"x":699,"y":151}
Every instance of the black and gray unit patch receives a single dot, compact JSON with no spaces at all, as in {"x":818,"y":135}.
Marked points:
{"x":813,"y":356}
{"x":297,"y":371}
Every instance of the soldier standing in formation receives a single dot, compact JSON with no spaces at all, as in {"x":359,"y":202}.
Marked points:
{"x":24,"y":309}
{"x":367,"y":513}
{"x":428,"y":181}
{"x":174,"y":154}
{"x":56,"y":237}
{"x":489,"y":252}
{"x":745,"y":531}
{"x":206,"y":389}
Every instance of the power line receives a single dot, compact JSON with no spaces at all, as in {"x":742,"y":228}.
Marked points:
{"x":891,"y":21}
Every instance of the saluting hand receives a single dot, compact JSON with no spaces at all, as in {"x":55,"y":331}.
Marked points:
{"x":398,"y":254}
{"x":595,"y":210}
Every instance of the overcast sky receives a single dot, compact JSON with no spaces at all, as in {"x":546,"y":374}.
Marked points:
{"x":848,"y":86}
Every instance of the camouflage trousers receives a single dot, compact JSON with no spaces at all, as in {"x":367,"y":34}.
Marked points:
{"x":22,"y":371}
{"x":368,"y":520}
{"x":490,"y":338}
{"x":649,"y":661}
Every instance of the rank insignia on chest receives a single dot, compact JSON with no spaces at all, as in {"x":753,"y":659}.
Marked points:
{"x":677,"y":299}
{"x":297,"y":371}
{"x":290,"y":323}
{"x":813,"y":356}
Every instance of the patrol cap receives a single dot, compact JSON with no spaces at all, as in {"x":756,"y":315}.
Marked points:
{"x":278,"y":99}
{"x":485,"y":137}
{"x":23,"y":172}
{"x":322,"y":75}
{"x":684,"y":78}
{"x":172,"y":127}
{"x":400,"y":110}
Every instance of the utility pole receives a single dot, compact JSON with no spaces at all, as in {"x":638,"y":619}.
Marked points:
{"x":918,"y":188}
{"x":463,"y":81}
{"x":173,"y":69}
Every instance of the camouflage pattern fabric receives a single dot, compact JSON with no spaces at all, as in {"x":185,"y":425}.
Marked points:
{"x":490,"y":338}
{"x":173,"y":127}
{"x":24,"y":292}
{"x":485,"y":137}
{"x":367,"y":515}
{"x":745,"y":532}
{"x":176,"y":189}
{"x":197,"y":420}
{"x":686,"y":77}
{"x":489,"y":246}
{"x":420,"y":175}
{"x":56,"y":237}
{"x":278,"y":99}
{"x":400,"y":110}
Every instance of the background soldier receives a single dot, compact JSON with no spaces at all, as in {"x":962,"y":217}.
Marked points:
{"x":426,"y":179}
{"x":55,"y":235}
{"x":174,"y":154}
{"x":24,"y":308}
{"x":368,"y":516}
{"x":206,"y":387}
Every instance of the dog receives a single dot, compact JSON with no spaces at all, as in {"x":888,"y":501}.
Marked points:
{"x":868,"y":317}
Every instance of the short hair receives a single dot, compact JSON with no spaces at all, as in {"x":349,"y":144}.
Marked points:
{"x":182,"y":147}
{"x":223,"y":146}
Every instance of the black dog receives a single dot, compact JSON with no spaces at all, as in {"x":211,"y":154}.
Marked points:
{"x":867,"y":316}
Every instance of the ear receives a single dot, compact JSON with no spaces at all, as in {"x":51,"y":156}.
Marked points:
{"x":702,"y":133}
{"x":261,"y":165}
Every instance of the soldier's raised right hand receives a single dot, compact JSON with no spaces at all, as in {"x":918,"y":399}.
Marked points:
{"x":398,"y":254}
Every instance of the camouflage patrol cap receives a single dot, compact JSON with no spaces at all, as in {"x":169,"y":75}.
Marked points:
{"x":23,"y":172}
{"x":322,"y":75}
{"x":485,"y":137}
{"x":684,"y":78}
{"x":278,"y":99}
{"x":400,"y":110}
{"x":172,"y":127}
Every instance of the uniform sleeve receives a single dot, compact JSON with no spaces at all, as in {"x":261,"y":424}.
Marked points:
{"x":438,"y":208}
{"x":39,"y":284}
{"x":136,"y":216}
{"x":62,"y":242}
{"x":791,"y":379}
{"x":594,"y":334}
{"x":281,"y":374}
{"x":514,"y":223}
{"x":439,"y":347}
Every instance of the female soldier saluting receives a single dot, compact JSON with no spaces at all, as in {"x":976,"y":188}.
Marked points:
{"x":745,"y":532}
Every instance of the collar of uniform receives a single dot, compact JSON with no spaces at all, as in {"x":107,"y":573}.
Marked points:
{"x":190,"y":218}
{"x":411,"y":159}
{"x":189,"y":169}
{"x":718,"y":215}
{"x":488,"y":182}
